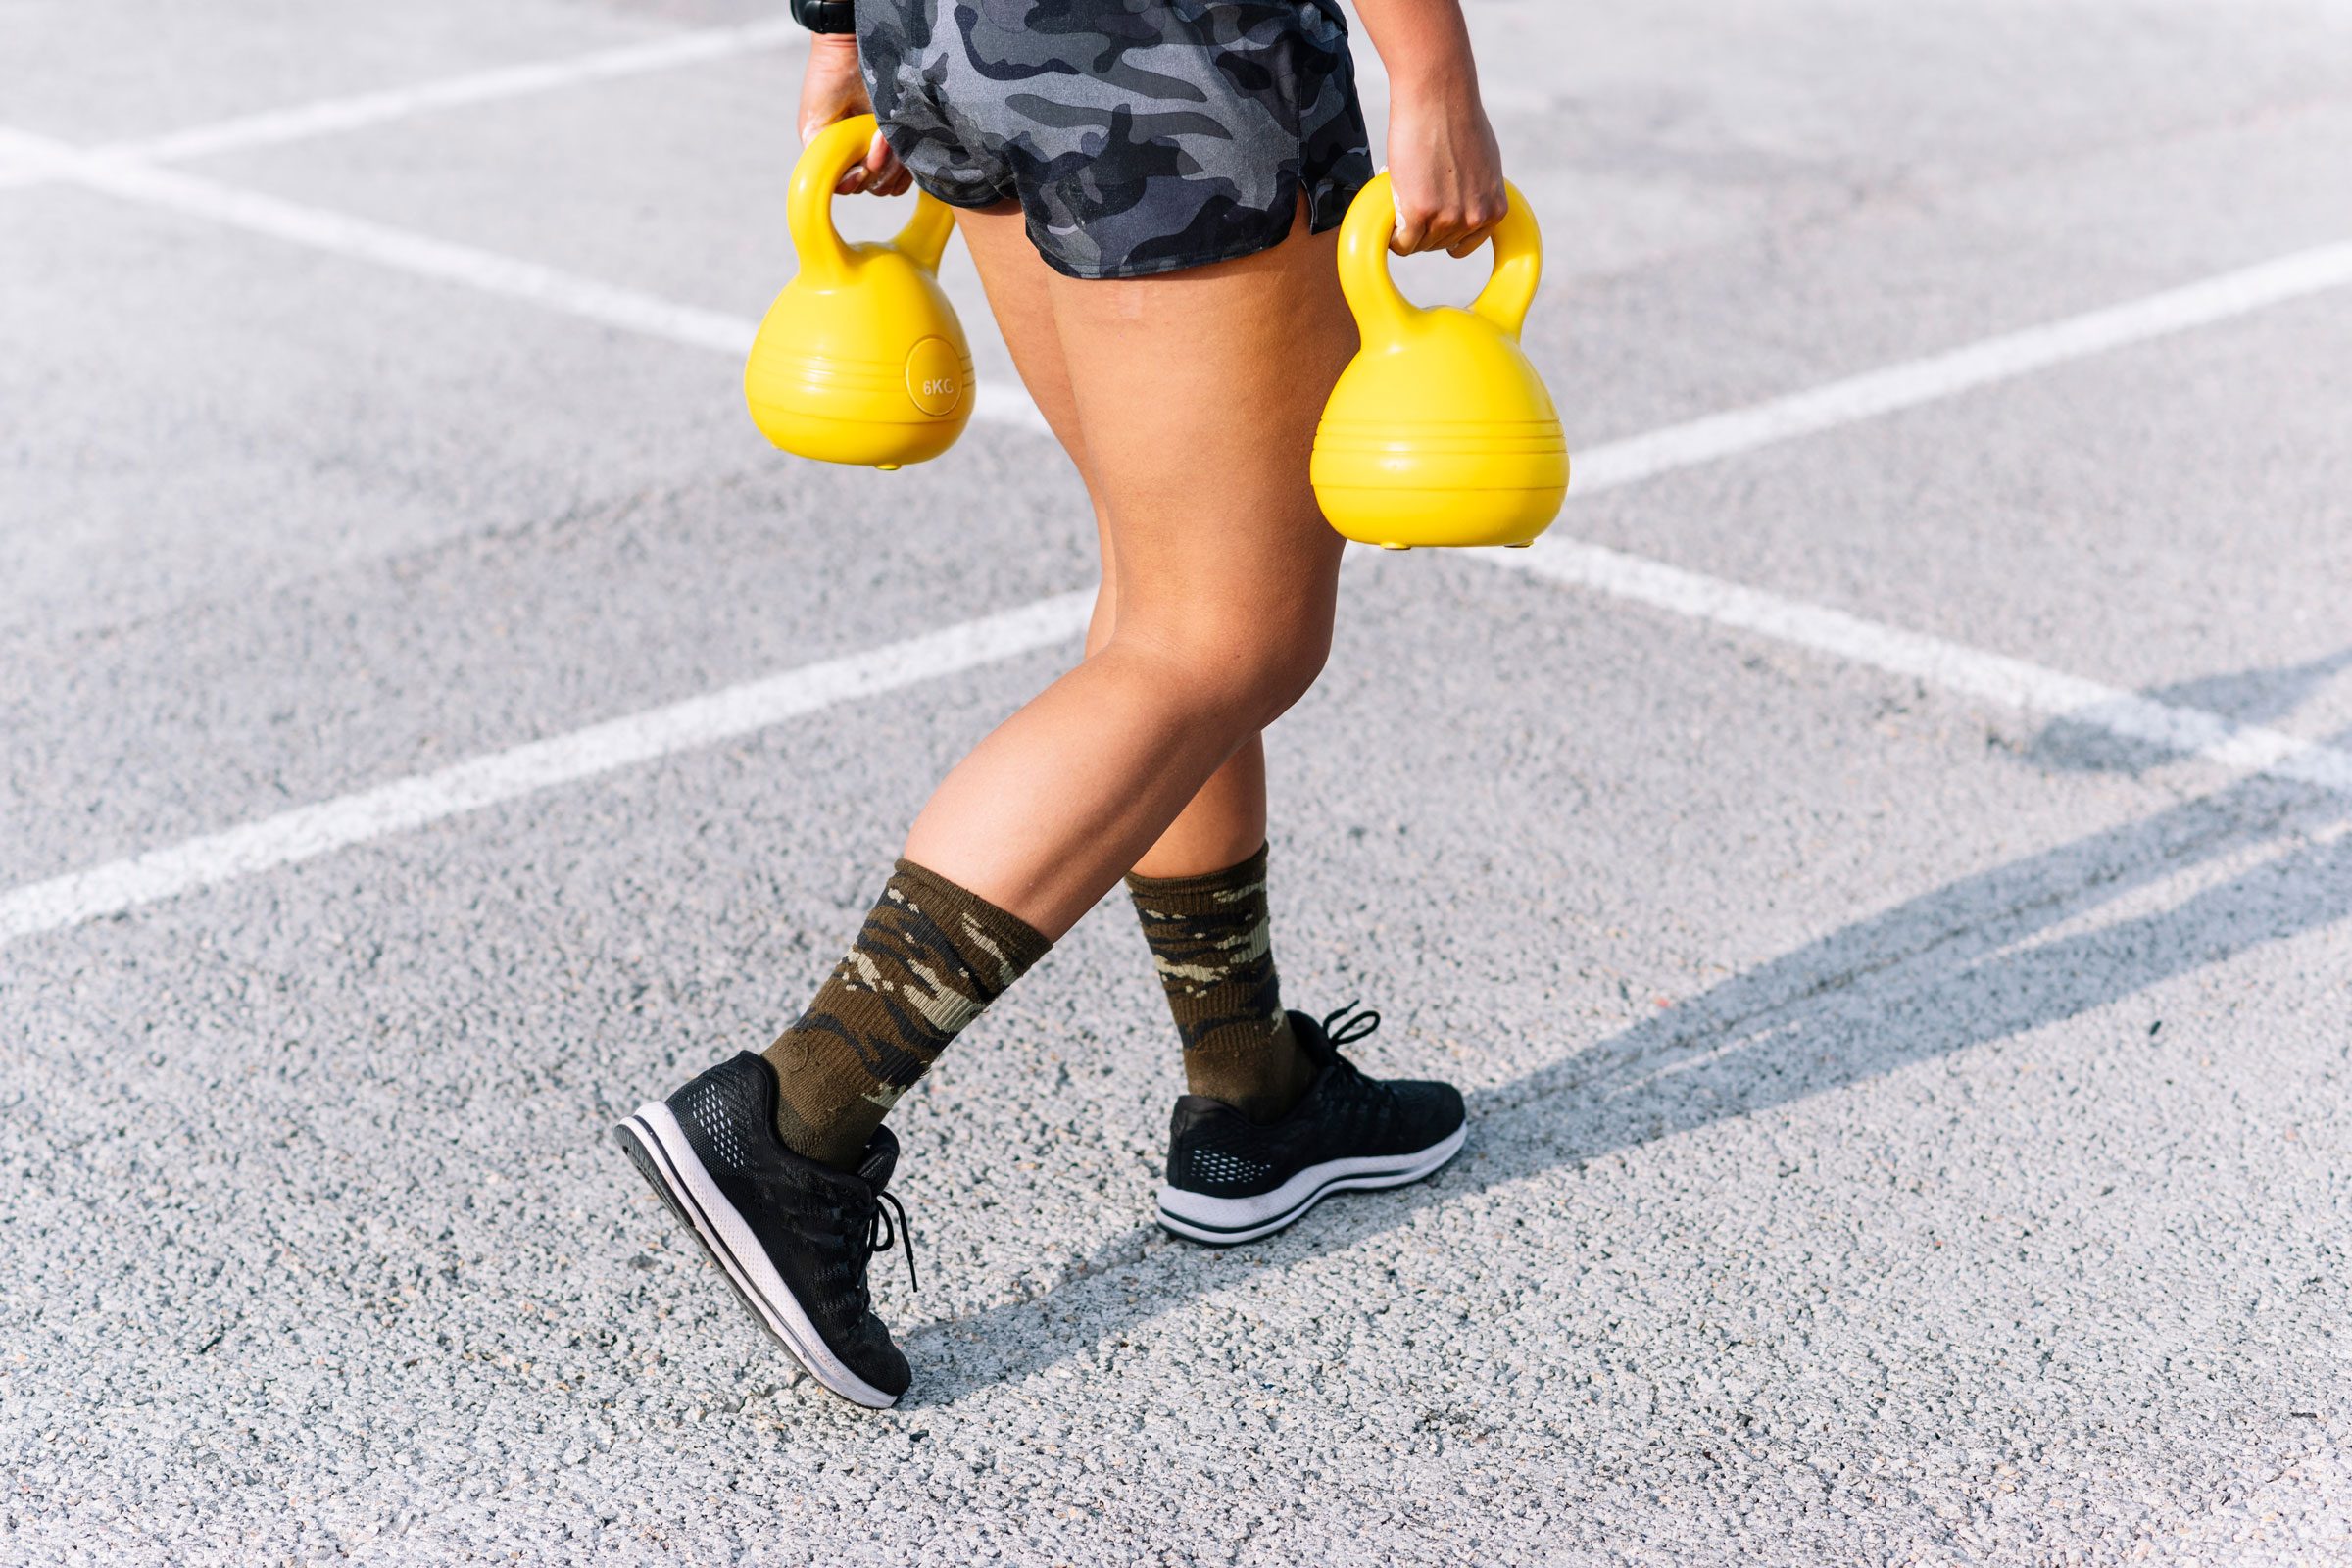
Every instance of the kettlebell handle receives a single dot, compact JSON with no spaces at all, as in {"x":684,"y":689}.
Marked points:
{"x":809,"y":205}
{"x":1381,"y":308}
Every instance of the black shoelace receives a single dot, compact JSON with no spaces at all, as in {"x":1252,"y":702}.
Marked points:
{"x":881,"y":1235}
{"x":1339,"y":1029}
{"x":1350,"y":1030}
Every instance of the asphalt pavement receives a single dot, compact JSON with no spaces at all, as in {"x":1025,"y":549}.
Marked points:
{"x":1882,"y":872}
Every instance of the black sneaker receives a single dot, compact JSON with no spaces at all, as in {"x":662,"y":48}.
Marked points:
{"x":1230,"y":1179}
{"x":792,"y":1236}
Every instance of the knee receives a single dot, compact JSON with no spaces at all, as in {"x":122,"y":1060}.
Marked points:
{"x":1245,"y":671}
{"x":1289,"y":668}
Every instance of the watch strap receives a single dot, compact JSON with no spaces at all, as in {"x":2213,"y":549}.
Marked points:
{"x":826,"y":16}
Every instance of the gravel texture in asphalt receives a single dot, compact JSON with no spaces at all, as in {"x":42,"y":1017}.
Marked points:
{"x":1908,"y":1127}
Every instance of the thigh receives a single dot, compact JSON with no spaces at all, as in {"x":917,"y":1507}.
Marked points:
{"x":1016,"y":283}
{"x":1189,"y":402}
{"x":1198,"y":393}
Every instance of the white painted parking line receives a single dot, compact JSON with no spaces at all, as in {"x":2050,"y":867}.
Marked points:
{"x":1848,"y":400}
{"x":387,"y":809}
{"x":481,"y":781}
{"x":1954,"y":667}
{"x":320,"y":229}
{"x":328,"y":116}
{"x":1980,"y":363}
{"x":698,"y":721}
{"x":402,"y":250}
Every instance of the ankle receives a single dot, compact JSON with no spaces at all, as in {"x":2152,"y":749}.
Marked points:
{"x":1263,"y":1081}
{"x":929,"y":958}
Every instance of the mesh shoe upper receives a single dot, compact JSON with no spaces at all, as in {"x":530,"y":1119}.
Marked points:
{"x":820,"y":1227}
{"x":1216,"y":1150}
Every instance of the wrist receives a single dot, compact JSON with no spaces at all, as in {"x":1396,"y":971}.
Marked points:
{"x":1434,"y":90}
{"x":1425,"y":44}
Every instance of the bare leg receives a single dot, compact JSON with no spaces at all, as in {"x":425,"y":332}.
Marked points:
{"x":1226,"y":820}
{"x":1189,"y":403}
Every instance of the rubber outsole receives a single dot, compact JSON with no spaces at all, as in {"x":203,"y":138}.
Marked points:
{"x":1202,"y":1227}
{"x":644,"y":1149}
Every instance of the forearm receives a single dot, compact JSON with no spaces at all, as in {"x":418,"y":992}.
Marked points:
{"x":1425,"y":46}
{"x":1445,"y":169}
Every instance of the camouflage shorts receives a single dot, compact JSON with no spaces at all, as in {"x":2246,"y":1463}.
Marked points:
{"x":1140,"y":137}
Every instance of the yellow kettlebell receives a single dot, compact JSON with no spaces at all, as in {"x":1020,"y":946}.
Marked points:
{"x":1439,"y":433}
{"x":861,"y":358}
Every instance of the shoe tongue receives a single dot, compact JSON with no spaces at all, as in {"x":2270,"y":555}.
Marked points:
{"x":881,"y":1158}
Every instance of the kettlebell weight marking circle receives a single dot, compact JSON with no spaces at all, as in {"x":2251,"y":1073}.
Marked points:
{"x":934,"y":376}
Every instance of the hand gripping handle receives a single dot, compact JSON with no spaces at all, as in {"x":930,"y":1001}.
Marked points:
{"x":1380,"y":306}
{"x":809,"y":205}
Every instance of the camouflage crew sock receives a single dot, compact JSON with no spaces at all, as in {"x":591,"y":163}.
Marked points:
{"x":928,"y":959}
{"x":1211,"y":942}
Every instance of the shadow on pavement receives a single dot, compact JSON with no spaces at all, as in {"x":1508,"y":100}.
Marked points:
{"x":1931,"y":977}
{"x":2243,"y":697}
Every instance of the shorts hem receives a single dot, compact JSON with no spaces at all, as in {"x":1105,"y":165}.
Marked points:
{"x":1327,"y":203}
{"x":969,"y":197}
{"x":953,"y":193}
{"x":1158,"y":266}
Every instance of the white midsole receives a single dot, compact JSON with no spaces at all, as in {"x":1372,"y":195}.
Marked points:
{"x":739,"y":1252}
{"x":1241,"y":1219}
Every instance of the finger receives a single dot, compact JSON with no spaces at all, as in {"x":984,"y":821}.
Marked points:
{"x":890,"y":177}
{"x":1411,"y":234}
{"x":1443,"y":231}
{"x":1471,"y":241}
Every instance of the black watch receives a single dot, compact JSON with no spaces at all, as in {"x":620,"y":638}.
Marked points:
{"x":826,"y":16}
